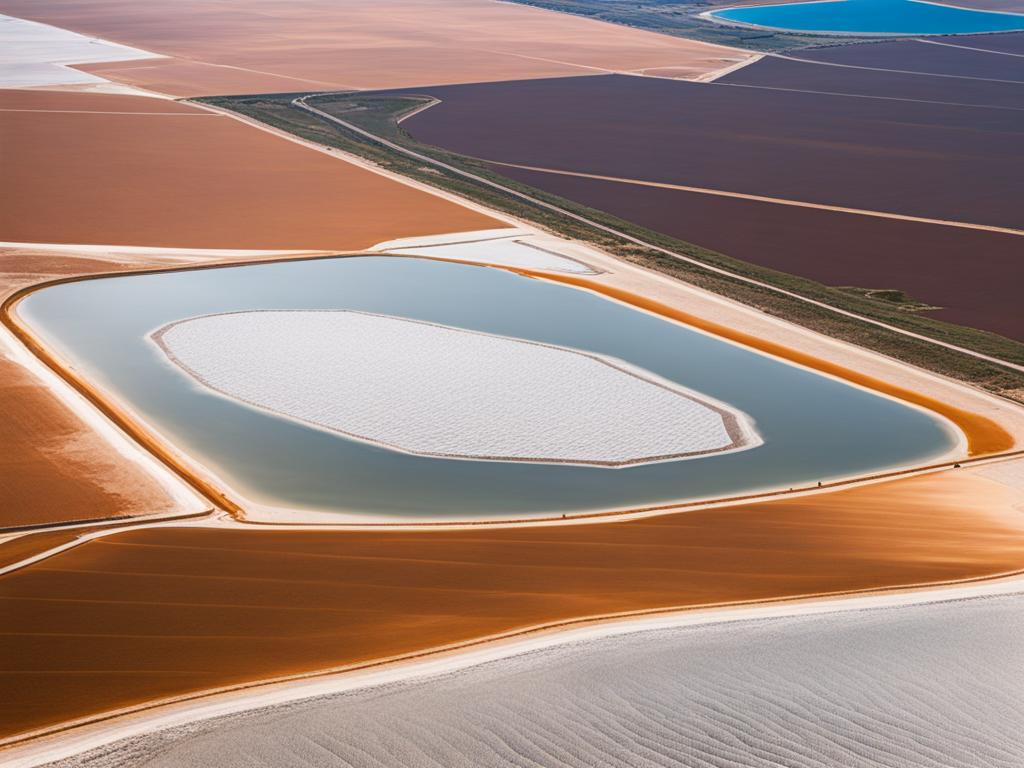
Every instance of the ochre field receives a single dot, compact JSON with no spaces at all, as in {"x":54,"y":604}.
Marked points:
{"x":266,"y":46}
{"x":164,"y":612}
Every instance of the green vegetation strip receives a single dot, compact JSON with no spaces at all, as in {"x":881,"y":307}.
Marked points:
{"x":379,"y":115}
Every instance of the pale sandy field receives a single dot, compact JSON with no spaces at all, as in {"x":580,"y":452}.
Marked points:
{"x":274,"y":45}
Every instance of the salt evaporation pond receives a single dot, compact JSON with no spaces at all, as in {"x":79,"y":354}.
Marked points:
{"x":873,"y":17}
{"x":813,"y":427}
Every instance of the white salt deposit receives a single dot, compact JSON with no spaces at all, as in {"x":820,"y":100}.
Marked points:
{"x":34,"y":55}
{"x":501,"y":247}
{"x":915,"y":687}
{"x":441,"y":391}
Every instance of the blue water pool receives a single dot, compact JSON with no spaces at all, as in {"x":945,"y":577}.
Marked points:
{"x":813,"y":427}
{"x":884,"y":17}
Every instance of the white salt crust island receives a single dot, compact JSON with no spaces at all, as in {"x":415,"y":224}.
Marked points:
{"x":34,"y":55}
{"x":435,"y":390}
{"x":516,"y":248}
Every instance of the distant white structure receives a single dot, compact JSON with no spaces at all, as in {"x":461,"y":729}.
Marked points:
{"x":440,"y":391}
{"x":500,"y":247}
{"x":34,"y":55}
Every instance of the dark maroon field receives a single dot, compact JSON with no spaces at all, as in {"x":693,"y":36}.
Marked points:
{"x":1005,"y":42}
{"x":784,"y":74}
{"x":928,"y":160}
{"x":943,"y":56}
{"x":932,"y":160}
{"x":974,"y":276}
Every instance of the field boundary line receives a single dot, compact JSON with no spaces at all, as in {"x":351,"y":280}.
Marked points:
{"x":893,"y":71}
{"x":763,"y":198}
{"x":970,"y":48}
{"x":869,"y":96}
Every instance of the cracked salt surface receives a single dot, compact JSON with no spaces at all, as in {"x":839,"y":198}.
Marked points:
{"x":441,"y":391}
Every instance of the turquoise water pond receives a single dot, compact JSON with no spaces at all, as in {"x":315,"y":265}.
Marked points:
{"x":814,"y":427}
{"x":883,"y":17}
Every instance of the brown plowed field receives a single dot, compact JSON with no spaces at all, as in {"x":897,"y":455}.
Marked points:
{"x":249,"y":46}
{"x":192,"y":179}
{"x":927,"y":160}
{"x":163,"y":612}
{"x":966,"y":272}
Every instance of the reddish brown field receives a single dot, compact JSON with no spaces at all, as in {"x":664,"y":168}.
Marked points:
{"x":249,"y":46}
{"x":164,"y":612}
{"x":60,"y":102}
{"x":192,"y":179}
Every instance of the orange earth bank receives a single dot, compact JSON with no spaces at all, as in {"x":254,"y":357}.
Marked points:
{"x":164,"y":612}
{"x":54,"y":468}
{"x":250,"y":46}
{"x":184,"y":177}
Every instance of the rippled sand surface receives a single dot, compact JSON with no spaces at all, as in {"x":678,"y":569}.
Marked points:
{"x":927,"y":685}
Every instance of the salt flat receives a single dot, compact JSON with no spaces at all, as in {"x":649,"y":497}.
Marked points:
{"x":500,"y":247}
{"x":442,"y":391}
{"x":36,"y":55}
{"x":923,"y":685}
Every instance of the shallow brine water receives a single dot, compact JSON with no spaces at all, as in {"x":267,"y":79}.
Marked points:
{"x":902,"y":17}
{"x":813,"y":427}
